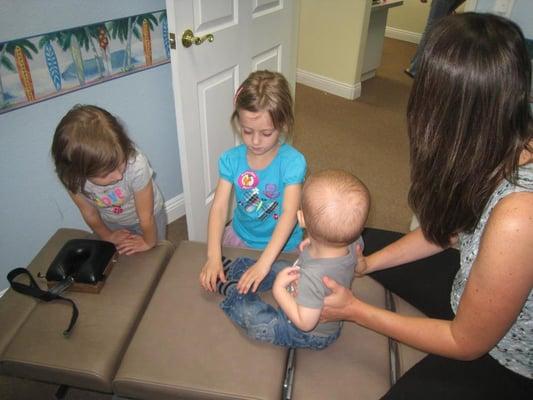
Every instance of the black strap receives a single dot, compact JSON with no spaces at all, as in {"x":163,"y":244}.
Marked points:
{"x":33,"y":290}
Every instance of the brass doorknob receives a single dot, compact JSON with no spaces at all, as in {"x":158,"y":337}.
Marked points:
{"x":188,"y":38}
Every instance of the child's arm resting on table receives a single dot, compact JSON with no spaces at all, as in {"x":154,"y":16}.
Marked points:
{"x":144,"y":206}
{"x":304,"y":318}
{"x":287,"y":220}
{"x":91,"y":216}
{"x":217,"y":219}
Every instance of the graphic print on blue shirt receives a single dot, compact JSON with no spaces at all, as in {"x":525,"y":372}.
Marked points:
{"x":259,"y":193}
{"x":253,"y":201}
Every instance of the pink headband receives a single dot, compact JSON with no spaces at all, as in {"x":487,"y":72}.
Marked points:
{"x":239,"y":90}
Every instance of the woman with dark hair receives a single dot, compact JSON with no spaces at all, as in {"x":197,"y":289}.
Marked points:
{"x":471,"y":142}
{"x":438,"y":9}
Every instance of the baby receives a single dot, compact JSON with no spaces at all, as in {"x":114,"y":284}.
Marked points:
{"x":334,"y":209}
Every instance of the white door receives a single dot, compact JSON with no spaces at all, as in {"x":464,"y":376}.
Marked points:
{"x":248,"y":35}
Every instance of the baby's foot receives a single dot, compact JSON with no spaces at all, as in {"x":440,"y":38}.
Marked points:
{"x":225,"y":265}
{"x":224,"y":288}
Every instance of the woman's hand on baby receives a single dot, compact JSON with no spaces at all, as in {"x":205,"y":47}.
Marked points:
{"x":287,"y":278}
{"x":339,"y":304}
{"x":211,"y":271}
{"x":252,"y":278}
{"x":361,"y":267}
{"x":132,"y":244}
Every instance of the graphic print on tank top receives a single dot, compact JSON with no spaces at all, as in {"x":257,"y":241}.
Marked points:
{"x":114,"y":199}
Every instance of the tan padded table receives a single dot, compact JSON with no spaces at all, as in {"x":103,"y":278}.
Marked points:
{"x":186,"y":348}
{"x":15,"y":308}
{"x":90,"y":356}
{"x":356,"y":366}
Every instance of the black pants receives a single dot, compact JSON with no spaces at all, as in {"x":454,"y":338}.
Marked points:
{"x":426,"y":284}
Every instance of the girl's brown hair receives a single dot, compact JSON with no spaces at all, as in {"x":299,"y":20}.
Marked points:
{"x":88,"y":142}
{"x":469,"y":119}
{"x":267,"y":91}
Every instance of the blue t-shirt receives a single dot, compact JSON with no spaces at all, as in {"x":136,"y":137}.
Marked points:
{"x":259,"y":193}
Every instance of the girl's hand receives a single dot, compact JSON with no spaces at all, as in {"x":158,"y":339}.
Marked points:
{"x":118,"y":236}
{"x":286,"y":277}
{"x":132,"y":244}
{"x":361,"y":268}
{"x":252,"y":278}
{"x":338,"y":306}
{"x":211,"y":271}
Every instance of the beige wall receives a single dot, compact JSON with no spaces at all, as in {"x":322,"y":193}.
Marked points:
{"x":411,"y":16}
{"x":332,"y":33}
{"x":330,"y":37}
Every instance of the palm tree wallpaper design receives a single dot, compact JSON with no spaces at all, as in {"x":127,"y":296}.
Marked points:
{"x":41,"y":67}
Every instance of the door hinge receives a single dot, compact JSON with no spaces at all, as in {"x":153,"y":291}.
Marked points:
{"x":172,"y":40}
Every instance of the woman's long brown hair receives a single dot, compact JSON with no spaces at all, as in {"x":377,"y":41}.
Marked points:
{"x":469,"y":119}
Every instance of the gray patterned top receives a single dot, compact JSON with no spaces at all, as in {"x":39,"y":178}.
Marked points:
{"x":515,"y":349}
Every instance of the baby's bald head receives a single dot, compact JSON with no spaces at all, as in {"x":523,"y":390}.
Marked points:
{"x":335,"y":206}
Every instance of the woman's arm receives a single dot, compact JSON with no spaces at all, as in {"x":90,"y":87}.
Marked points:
{"x":286,"y":222}
{"x":498,"y":286}
{"x":413,"y":246}
{"x":217,"y":220}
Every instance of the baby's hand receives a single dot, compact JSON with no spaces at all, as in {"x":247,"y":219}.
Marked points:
{"x":252,"y":278}
{"x":287,"y":278}
{"x":132,"y":244}
{"x":303,"y":244}
{"x":209,"y":274}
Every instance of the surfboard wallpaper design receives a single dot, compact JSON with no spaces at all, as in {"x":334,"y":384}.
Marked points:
{"x":44,"y":66}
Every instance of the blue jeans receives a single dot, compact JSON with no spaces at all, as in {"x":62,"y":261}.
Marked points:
{"x":260,"y":320}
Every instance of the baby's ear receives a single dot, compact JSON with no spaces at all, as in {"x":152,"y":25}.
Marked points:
{"x":301,"y":220}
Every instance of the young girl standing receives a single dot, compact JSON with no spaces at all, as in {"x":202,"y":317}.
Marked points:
{"x":109,"y":179}
{"x":267,"y":175}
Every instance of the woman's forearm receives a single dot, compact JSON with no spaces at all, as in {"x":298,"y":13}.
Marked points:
{"x":427,"y":334}
{"x":411,"y":247}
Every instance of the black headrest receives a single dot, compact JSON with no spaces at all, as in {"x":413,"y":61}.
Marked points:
{"x":83,"y":259}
